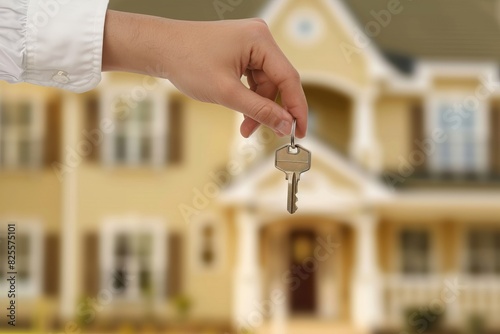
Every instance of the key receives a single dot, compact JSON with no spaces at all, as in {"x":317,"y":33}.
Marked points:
{"x":293,"y":162}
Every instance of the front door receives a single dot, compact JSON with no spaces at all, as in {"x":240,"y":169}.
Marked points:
{"x":303,"y":286}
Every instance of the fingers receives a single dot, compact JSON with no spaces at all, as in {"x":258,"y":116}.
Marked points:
{"x":273,"y":62}
{"x":248,"y":126}
{"x":258,"y":108}
{"x":251,"y":82}
{"x":264,"y":88}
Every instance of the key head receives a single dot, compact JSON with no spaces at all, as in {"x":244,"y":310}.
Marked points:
{"x":291,"y":160}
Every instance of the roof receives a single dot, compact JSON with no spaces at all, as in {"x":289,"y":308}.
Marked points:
{"x":437,"y":29}
{"x":197,"y":10}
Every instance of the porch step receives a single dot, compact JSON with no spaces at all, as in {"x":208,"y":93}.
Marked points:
{"x":308,"y":326}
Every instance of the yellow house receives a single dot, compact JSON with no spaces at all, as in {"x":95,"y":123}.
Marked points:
{"x":140,"y":210}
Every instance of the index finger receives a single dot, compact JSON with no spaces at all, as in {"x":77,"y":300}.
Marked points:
{"x":280,"y":71}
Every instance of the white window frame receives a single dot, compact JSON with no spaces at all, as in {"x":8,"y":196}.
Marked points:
{"x":297,"y":17}
{"x":198,"y":224}
{"x":481,"y":132}
{"x":33,"y":229}
{"x":467,"y":251}
{"x":159,"y":126}
{"x":433,"y":251}
{"x":35,"y":132}
{"x":133,"y":225}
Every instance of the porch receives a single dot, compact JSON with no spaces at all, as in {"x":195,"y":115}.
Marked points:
{"x":452,"y":301}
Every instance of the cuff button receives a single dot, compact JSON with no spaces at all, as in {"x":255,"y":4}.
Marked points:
{"x":61,"y":77}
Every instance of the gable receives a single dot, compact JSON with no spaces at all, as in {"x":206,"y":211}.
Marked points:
{"x":331,"y":182}
{"x":311,"y":34}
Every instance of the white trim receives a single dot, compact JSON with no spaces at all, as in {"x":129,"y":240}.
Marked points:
{"x":377,"y":65}
{"x":426,"y":71}
{"x":159,"y":127}
{"x":370,"y":188}
{"x":366,"y":296}
{"x":133,"y":225}
{"x":434,"y":256}
{"x":34,"y":132}
{"x":463,"y":266}
{"x":34,"y":230}
{"x":453,"y":198}
{"x":300,"y":15}
{"x":457,"y":69}
{"x":481,"y":130}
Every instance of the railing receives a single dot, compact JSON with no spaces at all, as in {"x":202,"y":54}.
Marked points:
{"x":457,"y":298}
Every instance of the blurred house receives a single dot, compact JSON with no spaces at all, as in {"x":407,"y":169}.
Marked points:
{"x":140,"y":210}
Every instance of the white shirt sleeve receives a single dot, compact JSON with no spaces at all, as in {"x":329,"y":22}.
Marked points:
{"x":52,"y":42}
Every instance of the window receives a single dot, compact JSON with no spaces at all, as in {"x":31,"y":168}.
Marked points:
{"x":133,"y":258}
{"x":305,"y":26}
{"x":21,"y":135}
{"x":415,"y":252}
{"x":139,"y":134}
{"x":484,"y":252}
{"x":208,"y":238}
{"x":28,"y":244}
{"x":465,"y":145}
{"x":207,"y":249}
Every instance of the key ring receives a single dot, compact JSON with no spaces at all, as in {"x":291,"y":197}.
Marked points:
{"x":292,"y":137}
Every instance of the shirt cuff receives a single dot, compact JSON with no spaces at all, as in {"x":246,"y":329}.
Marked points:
{"x":64,"y":43}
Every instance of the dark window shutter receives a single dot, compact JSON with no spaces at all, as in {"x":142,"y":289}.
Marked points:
{"x":52,"y":260}
{"x":91,"y":264}
{"x":92,"y":123}
{"x":53,"y":130}
{"x":174,"y":265}
{"x":495,"y":140}
{"x":417,"y":130}
{"x":175,"y":130}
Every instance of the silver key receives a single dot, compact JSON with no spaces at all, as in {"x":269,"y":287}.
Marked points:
{"x":293,"y":162}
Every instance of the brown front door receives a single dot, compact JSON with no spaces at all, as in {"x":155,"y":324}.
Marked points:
{"x":303,"y":285}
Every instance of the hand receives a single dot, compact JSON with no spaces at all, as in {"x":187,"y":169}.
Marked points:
{"x":206,"y":60}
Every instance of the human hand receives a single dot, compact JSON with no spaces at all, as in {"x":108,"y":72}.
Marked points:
{"x":206,"y":60}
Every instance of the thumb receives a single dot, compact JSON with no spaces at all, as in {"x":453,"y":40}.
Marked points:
{"x":263,"y":110}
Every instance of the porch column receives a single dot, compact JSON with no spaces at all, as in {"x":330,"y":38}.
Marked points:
{"x":247,"y":288}
{"x":69,"y":269}
{"x":364,"y":148}
{"x":366,"y":296}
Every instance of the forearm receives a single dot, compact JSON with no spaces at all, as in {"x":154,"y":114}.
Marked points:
{"x":131,"y":44}
{"x":206,"y":60}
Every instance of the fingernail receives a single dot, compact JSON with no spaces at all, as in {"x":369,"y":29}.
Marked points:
{"x":284,"y":127}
